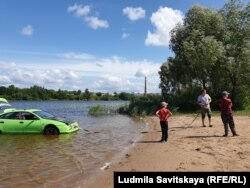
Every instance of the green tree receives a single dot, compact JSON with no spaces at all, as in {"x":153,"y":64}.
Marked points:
{"x":236,"y":41}
{"x":212,"y":50}
{"x":86,"y":94}
{"x":124,"y":96}
{"x":197,"y":49}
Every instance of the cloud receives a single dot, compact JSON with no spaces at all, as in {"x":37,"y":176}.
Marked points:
{"x":84,"y":12}
{"x":113,"y":74}
{"x":95,"y":22}
{"x":134,"y":14}
{"x":79,"y":10}
{"x":5,"y":80}
{"x":25,"y":76}
{"x":141,"y":72}
{"x":76,"y":56}
{"x":113,"y":83}
{"x":7,"y":65}
{"x":27,"y":30}
{"x":164,"y":20}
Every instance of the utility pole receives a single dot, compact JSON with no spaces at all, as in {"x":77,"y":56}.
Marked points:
{"x":145,"y":87}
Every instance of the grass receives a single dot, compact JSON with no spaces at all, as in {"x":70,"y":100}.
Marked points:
{"x":215,"y":113}
{"x":242,"y":113}
{"x":102,"y":110}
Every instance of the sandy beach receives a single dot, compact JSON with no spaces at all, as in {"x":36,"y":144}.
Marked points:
{"x":189,"y":148}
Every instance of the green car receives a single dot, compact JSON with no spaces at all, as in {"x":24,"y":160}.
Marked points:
{"x":34,"y":121}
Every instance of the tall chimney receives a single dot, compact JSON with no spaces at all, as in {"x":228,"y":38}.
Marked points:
{"x":145,"y":87}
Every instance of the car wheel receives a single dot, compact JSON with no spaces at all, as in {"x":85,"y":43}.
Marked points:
{"x":51,"y":130}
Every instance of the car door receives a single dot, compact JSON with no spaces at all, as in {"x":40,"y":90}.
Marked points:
{"x":31,"y":123}
{"x":11,"y":122}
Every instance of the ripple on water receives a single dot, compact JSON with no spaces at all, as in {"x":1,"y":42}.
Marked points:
{"x":66,"y":160}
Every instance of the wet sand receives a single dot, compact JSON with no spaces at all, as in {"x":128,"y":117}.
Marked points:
{"x":189,"y":148}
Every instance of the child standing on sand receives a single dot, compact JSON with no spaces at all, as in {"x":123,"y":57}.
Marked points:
{"x":163,"y":114}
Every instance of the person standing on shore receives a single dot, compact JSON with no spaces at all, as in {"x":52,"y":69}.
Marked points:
{"x":163,"y":114}
{"x":204,"y":101}
{"x":225,"y":105}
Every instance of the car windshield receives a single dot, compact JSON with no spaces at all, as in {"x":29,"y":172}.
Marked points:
{"x":44,"y":115}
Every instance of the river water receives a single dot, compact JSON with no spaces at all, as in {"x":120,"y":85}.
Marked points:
{"x":67,"y":160}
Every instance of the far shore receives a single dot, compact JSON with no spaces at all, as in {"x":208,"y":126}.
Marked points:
{"x":189,"y":148}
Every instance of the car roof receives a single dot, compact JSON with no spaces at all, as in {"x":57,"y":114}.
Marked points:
{"x":3,"y":100}
{"x":20,"y":110}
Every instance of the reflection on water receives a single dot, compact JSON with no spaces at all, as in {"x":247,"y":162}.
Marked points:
{"x":66,"y":160}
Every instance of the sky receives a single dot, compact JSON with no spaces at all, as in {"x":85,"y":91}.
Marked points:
{"x":99,"y":45}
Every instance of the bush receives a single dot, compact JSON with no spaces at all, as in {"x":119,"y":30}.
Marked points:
{"x":143,"y":106}
{"x":102,"y":110}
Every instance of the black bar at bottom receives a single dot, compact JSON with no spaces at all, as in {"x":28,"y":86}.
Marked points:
{"x":175,"y":179}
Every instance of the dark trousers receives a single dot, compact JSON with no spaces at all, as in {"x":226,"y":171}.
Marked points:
{"x":227,"y":119}
{"x":164,"y":130}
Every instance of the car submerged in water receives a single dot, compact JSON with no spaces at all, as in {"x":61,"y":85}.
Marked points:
{"x":34,"y":121}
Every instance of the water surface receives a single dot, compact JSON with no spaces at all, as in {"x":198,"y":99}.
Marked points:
{"x":67,"y":160}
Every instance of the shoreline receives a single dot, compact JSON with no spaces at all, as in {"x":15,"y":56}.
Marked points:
{"x":189,"y":149}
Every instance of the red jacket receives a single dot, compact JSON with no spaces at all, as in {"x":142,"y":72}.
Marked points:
{"x":163,"y":114}
{"x":225,"y":105}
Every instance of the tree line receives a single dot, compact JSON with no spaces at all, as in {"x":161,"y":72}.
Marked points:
{"x":40,"y":93}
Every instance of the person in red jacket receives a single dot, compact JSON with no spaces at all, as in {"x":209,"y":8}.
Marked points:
{"x":163,"y":114}
{"x":225,"y":105}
